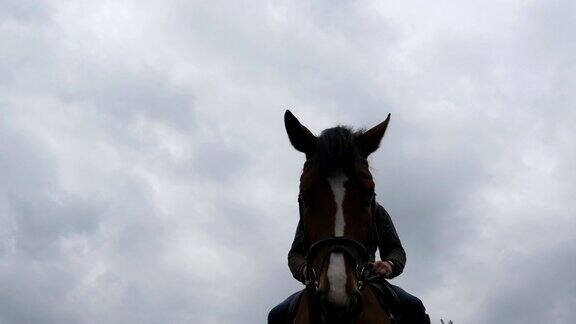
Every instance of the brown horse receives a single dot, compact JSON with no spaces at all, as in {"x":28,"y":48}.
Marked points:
{"x":336,"y":212}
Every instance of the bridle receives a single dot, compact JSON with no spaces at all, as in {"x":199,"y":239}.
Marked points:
{"x":353,"y":248}
{"x":350,"y":247}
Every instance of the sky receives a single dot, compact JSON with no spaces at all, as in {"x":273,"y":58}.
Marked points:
{"x":146,"y":176}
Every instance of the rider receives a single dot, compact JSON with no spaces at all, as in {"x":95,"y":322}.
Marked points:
{"x":393,"y":259}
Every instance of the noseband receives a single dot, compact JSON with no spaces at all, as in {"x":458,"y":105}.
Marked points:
{"x":354,"y":249}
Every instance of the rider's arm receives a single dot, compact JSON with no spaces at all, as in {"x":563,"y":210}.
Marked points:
{"x":296,"y":256}
{"x":389,"y":243}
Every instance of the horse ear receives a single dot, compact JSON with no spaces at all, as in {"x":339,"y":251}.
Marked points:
{"x":370,"y":140}
{"x":301,"y":138}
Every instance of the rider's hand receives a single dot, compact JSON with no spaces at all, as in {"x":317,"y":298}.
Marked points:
{"x":383,"y":268}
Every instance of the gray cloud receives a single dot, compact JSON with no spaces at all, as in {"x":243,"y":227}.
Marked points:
{"x":145,"y":175}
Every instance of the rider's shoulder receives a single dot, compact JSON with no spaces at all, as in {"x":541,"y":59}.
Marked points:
{"x":381,"y":211}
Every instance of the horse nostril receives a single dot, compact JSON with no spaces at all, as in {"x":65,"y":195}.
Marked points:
{"x":353,"y":302}
{"x":356,"y":303}
{"x":324,"y":301}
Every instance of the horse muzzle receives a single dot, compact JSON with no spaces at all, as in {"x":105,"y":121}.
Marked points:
{"x":336,"y":313}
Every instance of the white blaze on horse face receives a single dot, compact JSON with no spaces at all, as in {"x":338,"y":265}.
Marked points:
{"x":337,"y":279}
{"x":339,"y":191}
{"x":337,"y":266}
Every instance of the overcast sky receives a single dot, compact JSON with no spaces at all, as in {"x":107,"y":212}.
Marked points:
{"x":146,"y":177}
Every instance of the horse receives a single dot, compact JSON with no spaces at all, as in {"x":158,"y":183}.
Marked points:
{"x":336,"y":202}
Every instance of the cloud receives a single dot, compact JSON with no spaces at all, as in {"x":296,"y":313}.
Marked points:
{"x":145,"y":175}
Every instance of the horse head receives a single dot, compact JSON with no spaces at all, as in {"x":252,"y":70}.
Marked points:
{"x":336,"y":210}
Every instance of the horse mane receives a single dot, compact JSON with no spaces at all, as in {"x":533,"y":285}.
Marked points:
{"x":337,"y":150}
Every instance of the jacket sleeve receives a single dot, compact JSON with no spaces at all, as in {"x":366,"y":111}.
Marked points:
{"x":297,"y":255}
{"x":389,"y":243}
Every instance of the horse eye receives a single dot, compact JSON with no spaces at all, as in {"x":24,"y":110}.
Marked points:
{"x":368,"y":199}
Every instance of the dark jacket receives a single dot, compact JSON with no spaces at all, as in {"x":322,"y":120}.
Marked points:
{"x":386,"y":239}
